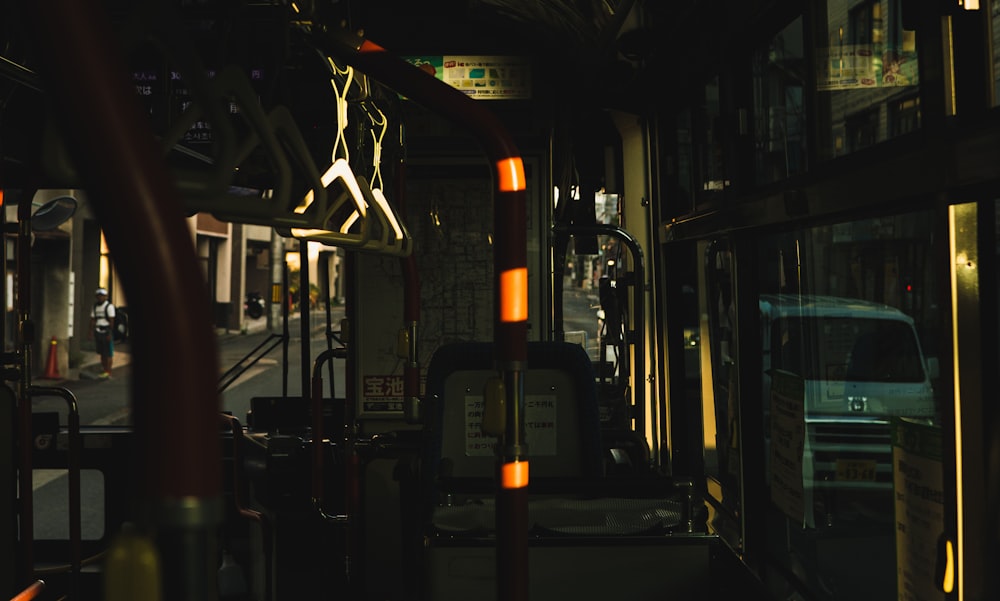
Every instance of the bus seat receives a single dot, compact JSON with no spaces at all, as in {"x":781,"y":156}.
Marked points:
{"x":562,"y":420}
{"x":573,"y":504}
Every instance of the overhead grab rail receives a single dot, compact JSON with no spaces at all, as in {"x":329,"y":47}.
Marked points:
{"x":334,"y":206}
{"x":208,"y":189}
{"x":339,"y":208}
{"x":315,"y":214}
{"x":371,"y":224}
{"x":380,"y":124}
{"x":388,"y":235}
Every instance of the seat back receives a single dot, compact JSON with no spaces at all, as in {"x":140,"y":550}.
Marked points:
{"x":562,"y":422}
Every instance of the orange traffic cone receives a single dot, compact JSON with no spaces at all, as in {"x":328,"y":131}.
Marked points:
{"x":52,"y":367}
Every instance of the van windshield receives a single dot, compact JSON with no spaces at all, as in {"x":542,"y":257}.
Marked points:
{"x":847,"y":349}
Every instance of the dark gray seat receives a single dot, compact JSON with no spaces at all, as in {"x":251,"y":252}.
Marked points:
{"x":562,"y":426}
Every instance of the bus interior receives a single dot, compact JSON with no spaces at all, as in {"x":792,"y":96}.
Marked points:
{"x":613,"y":298}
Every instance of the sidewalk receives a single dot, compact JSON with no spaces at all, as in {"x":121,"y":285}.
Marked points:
{"x":108,"y":401}
{"x":89,"y":368}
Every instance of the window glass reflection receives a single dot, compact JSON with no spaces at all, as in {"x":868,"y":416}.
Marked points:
{"x":712,"y":158}
{"x":779,"y":129}
{"x":867,"y":75}
{"x":721,"y":399}
{"x":995,"y":34}
{"x":849,"y":327}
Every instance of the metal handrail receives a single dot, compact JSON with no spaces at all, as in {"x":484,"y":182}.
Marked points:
{"x":74,"y":453}
{"x":250,"y":359}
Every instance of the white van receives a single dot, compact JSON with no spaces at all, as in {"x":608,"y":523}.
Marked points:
{"x":856,"y":364}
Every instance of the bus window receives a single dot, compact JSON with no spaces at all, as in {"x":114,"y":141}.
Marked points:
{"x":722,"y":461}
{"x":868,"y":76}
{"x":848,"y":325}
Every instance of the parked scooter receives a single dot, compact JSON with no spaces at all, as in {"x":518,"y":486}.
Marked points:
{"x":254,"y":305}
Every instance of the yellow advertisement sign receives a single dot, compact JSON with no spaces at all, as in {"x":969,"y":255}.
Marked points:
{"x":481,"y":77}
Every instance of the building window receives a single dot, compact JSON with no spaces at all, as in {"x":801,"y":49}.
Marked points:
{"x":866,"y":71}
{"x":712,"y":151}
{"x":779,"y":127}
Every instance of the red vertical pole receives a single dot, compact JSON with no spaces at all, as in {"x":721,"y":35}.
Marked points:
{"x":175,"y":367}
{"x":511,"y":284}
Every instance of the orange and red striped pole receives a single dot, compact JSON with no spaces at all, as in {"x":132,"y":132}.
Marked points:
{"x":511,"y":282}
